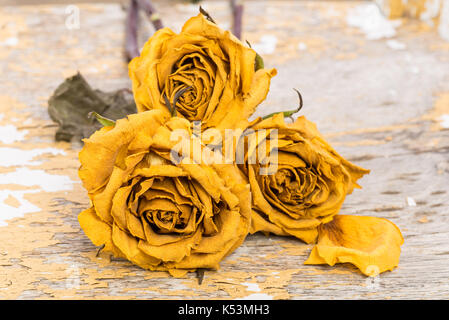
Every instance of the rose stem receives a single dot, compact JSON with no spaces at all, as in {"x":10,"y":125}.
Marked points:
{"x":237,"y":14}
{"x":132,"y":20}
{"x":149,"y":9}
{"x":289,"y":113}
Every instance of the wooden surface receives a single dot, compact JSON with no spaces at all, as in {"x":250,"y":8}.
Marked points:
{"x":381,"y":108}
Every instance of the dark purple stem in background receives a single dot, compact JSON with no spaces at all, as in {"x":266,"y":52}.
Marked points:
{"x":147,"y":6}
{"x":132,"y":24}
{"x":237,"y":14}
{"x":132,"y":21}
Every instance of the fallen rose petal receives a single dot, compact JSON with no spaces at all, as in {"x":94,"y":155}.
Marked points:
{"x":371,"y":244}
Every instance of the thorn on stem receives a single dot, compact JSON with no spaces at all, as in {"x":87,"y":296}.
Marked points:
{"x":200,"y":275}
{"x":99,"y":249}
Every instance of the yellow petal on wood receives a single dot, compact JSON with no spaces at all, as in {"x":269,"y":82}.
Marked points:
{"x":129,"y":246}
{"x":178,"y":273}
{"x":207,"y":260}
{"x":371,"y":244}
{"x":228,"y":224}
{"x":175,"y":251}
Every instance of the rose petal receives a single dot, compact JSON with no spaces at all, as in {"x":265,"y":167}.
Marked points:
{"x":99,"y":232}
{"x":100,"y":150}
{"x":174,"y":251}
{"x":371,"y":244}
{"x":129,"y":246}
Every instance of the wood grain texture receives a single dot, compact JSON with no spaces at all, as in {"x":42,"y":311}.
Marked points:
{"x":380,"y":108}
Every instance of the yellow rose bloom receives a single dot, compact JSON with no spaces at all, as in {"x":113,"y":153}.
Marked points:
{"x":309,"y":185}
{"x":214,"y":68}
{"x":305,"y":192}
{"x":156,"y":214}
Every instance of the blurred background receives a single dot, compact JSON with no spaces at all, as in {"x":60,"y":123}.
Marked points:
{"x":344,"y":56}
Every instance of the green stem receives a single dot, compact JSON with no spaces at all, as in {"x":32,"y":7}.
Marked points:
{"x":104,"y":121}
{"x":258,"y":62}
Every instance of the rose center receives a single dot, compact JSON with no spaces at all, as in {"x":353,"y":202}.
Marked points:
{"x":293,"y":186}
{"x":197,"y":72}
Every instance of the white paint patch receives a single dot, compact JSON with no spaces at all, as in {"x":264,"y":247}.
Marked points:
{"x":415,"y":70}
{"x":395,"y":45}
{"x":18,"y":157}
{"x":257,"y":296}
{"x":39,"y":178}
{"x":444,"y":121}
{"x":8,"y":212}
{"x":266,"y":45}
{"x":370,"y":20}
{"x":443,"y":26}
{"x":432,"y":10}
{"x":302,"y":46}
{"x":251,"y":286}
{"x":10,"y":42}
{"x":411,"y":202}
{"x":10,"y":134}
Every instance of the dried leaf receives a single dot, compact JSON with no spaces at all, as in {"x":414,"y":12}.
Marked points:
{"x":74,"y":99}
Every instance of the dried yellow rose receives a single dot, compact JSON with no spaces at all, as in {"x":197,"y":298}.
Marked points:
{"x":309,"y":185}
{"x":215,"y":68}
{"x":156,"y":214}
{"x":307,"y":189}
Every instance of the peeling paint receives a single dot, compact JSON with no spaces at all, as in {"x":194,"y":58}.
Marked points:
{"x":10,"y":134}
{"x":18,"y":157}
